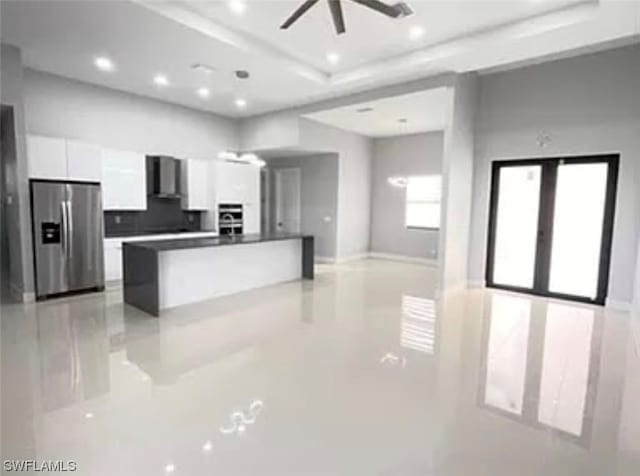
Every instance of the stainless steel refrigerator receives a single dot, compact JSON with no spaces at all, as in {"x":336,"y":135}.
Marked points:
{"x":67,"y":237}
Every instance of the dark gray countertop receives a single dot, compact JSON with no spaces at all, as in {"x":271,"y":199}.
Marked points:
{"x":134,"y":233}
{"x":186,"y":243}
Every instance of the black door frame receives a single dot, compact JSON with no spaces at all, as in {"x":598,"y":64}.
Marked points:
{"x":545,"y":223}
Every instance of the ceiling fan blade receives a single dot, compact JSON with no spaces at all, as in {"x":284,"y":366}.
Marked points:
{"x":380,"y":7}
{"x":336,"y":14}
{"x":298,"y":13}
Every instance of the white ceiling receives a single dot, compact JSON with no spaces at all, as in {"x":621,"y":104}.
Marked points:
{"x":288,"y":68}
{"x":422,"y":112}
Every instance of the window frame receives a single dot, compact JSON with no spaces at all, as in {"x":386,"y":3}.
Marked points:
{"x":437,"y":201}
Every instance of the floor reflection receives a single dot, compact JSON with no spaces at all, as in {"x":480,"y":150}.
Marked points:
{"x":418,"y":324}
{"x":541,"y":363}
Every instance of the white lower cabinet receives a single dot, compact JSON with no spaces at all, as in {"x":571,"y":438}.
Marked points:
{"x":112,"y":259}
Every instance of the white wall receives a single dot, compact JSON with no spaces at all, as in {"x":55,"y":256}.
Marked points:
{"x":415,"y":154}
{"x":457,"y":183}
{"x":589,"y":105}
{"x":56,"y":106}
{"x":354,"y":183}
{"x":277,"y":131}
{"x":17,"y":186}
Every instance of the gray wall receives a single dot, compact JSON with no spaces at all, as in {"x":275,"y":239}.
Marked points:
{"x":636,"y":292}
{"x":17,"y":185}
{"x":318,"y":200}
{"x":61,"y":107}
{"x":589,"y":105}
{"x":354,"y":183}
{"x":417,"y":154}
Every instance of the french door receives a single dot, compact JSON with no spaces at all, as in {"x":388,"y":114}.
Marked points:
{"x":550,"y":226}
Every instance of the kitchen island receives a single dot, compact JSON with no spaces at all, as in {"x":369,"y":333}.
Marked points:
{"x":164,"y":274}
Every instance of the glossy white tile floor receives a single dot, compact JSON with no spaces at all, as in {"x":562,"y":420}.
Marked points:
{"x":358,"y":373}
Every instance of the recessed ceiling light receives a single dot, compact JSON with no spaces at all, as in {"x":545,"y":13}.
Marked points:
{"x":103,"y":63}
{"x":203,"y":93}
{"x":416,"y":32}
{"x":333,"y":58}
{"x":161,"y":80}
{"x":88,"y":416}
{"x":241,"y":103}
{"x":364,"y":109}
{"x":237,"y":6}
{"x":207,"y":446}
{"x":169,"y":468}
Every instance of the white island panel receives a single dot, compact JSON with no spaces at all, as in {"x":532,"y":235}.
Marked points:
{"x":196,"y":274}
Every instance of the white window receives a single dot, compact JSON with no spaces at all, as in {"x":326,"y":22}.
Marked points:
{"x":423,"y":201}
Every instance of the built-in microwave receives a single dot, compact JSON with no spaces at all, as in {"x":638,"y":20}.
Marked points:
{"x":230,"y":219}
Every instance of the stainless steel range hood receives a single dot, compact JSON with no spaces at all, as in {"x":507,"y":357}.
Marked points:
{"x":164,"y":176}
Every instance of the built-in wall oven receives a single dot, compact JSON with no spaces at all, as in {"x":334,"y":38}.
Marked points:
{"x":230,"y":219}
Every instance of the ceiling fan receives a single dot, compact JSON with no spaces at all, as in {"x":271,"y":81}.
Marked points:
{"x":394,"y":11}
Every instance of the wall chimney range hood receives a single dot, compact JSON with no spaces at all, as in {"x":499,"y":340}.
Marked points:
{"x":163,"y":176}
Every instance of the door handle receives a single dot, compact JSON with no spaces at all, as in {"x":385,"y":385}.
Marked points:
{"x":70,"y":229}
{"x":63,"y":226}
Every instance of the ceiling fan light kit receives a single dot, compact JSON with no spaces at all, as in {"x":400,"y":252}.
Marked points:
{"x":397,"y":10}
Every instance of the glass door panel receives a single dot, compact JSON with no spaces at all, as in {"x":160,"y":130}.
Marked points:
{"x":517,"y":226}
{"x":577,"y":229}
{"x":551,"y":226}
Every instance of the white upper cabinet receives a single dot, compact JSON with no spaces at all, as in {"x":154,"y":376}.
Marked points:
{"x":197,"y":193}
{"x":47,"y":158}
{"x":237,"y":183}
{"x":84,"y":161}
{"x":124,"y":180}
{"x":60,"y":159}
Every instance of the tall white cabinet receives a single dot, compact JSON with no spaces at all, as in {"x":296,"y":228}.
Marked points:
{"x":240,"y":183}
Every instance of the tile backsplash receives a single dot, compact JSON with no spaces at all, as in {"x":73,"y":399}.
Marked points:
{"x":161,"y":215}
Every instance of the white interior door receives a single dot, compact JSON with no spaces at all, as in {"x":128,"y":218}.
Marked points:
{"x":287,"y":199}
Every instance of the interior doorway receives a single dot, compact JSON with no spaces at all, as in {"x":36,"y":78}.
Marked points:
{"x":287,"y":199}
{"x":551,"y":226}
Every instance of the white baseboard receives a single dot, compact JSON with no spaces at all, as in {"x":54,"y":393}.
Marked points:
{"x":476,"y":283}
{"x":404,"y":258}
{"x":347,"y":259}
{"x":324,"y":260}
{"x":19,"y":295}
{"x":618,"y":305}
{"x":29,"y":297}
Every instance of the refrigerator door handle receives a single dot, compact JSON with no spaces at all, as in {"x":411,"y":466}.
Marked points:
{"x":63,"y":232}
{"x":69,"y":238}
